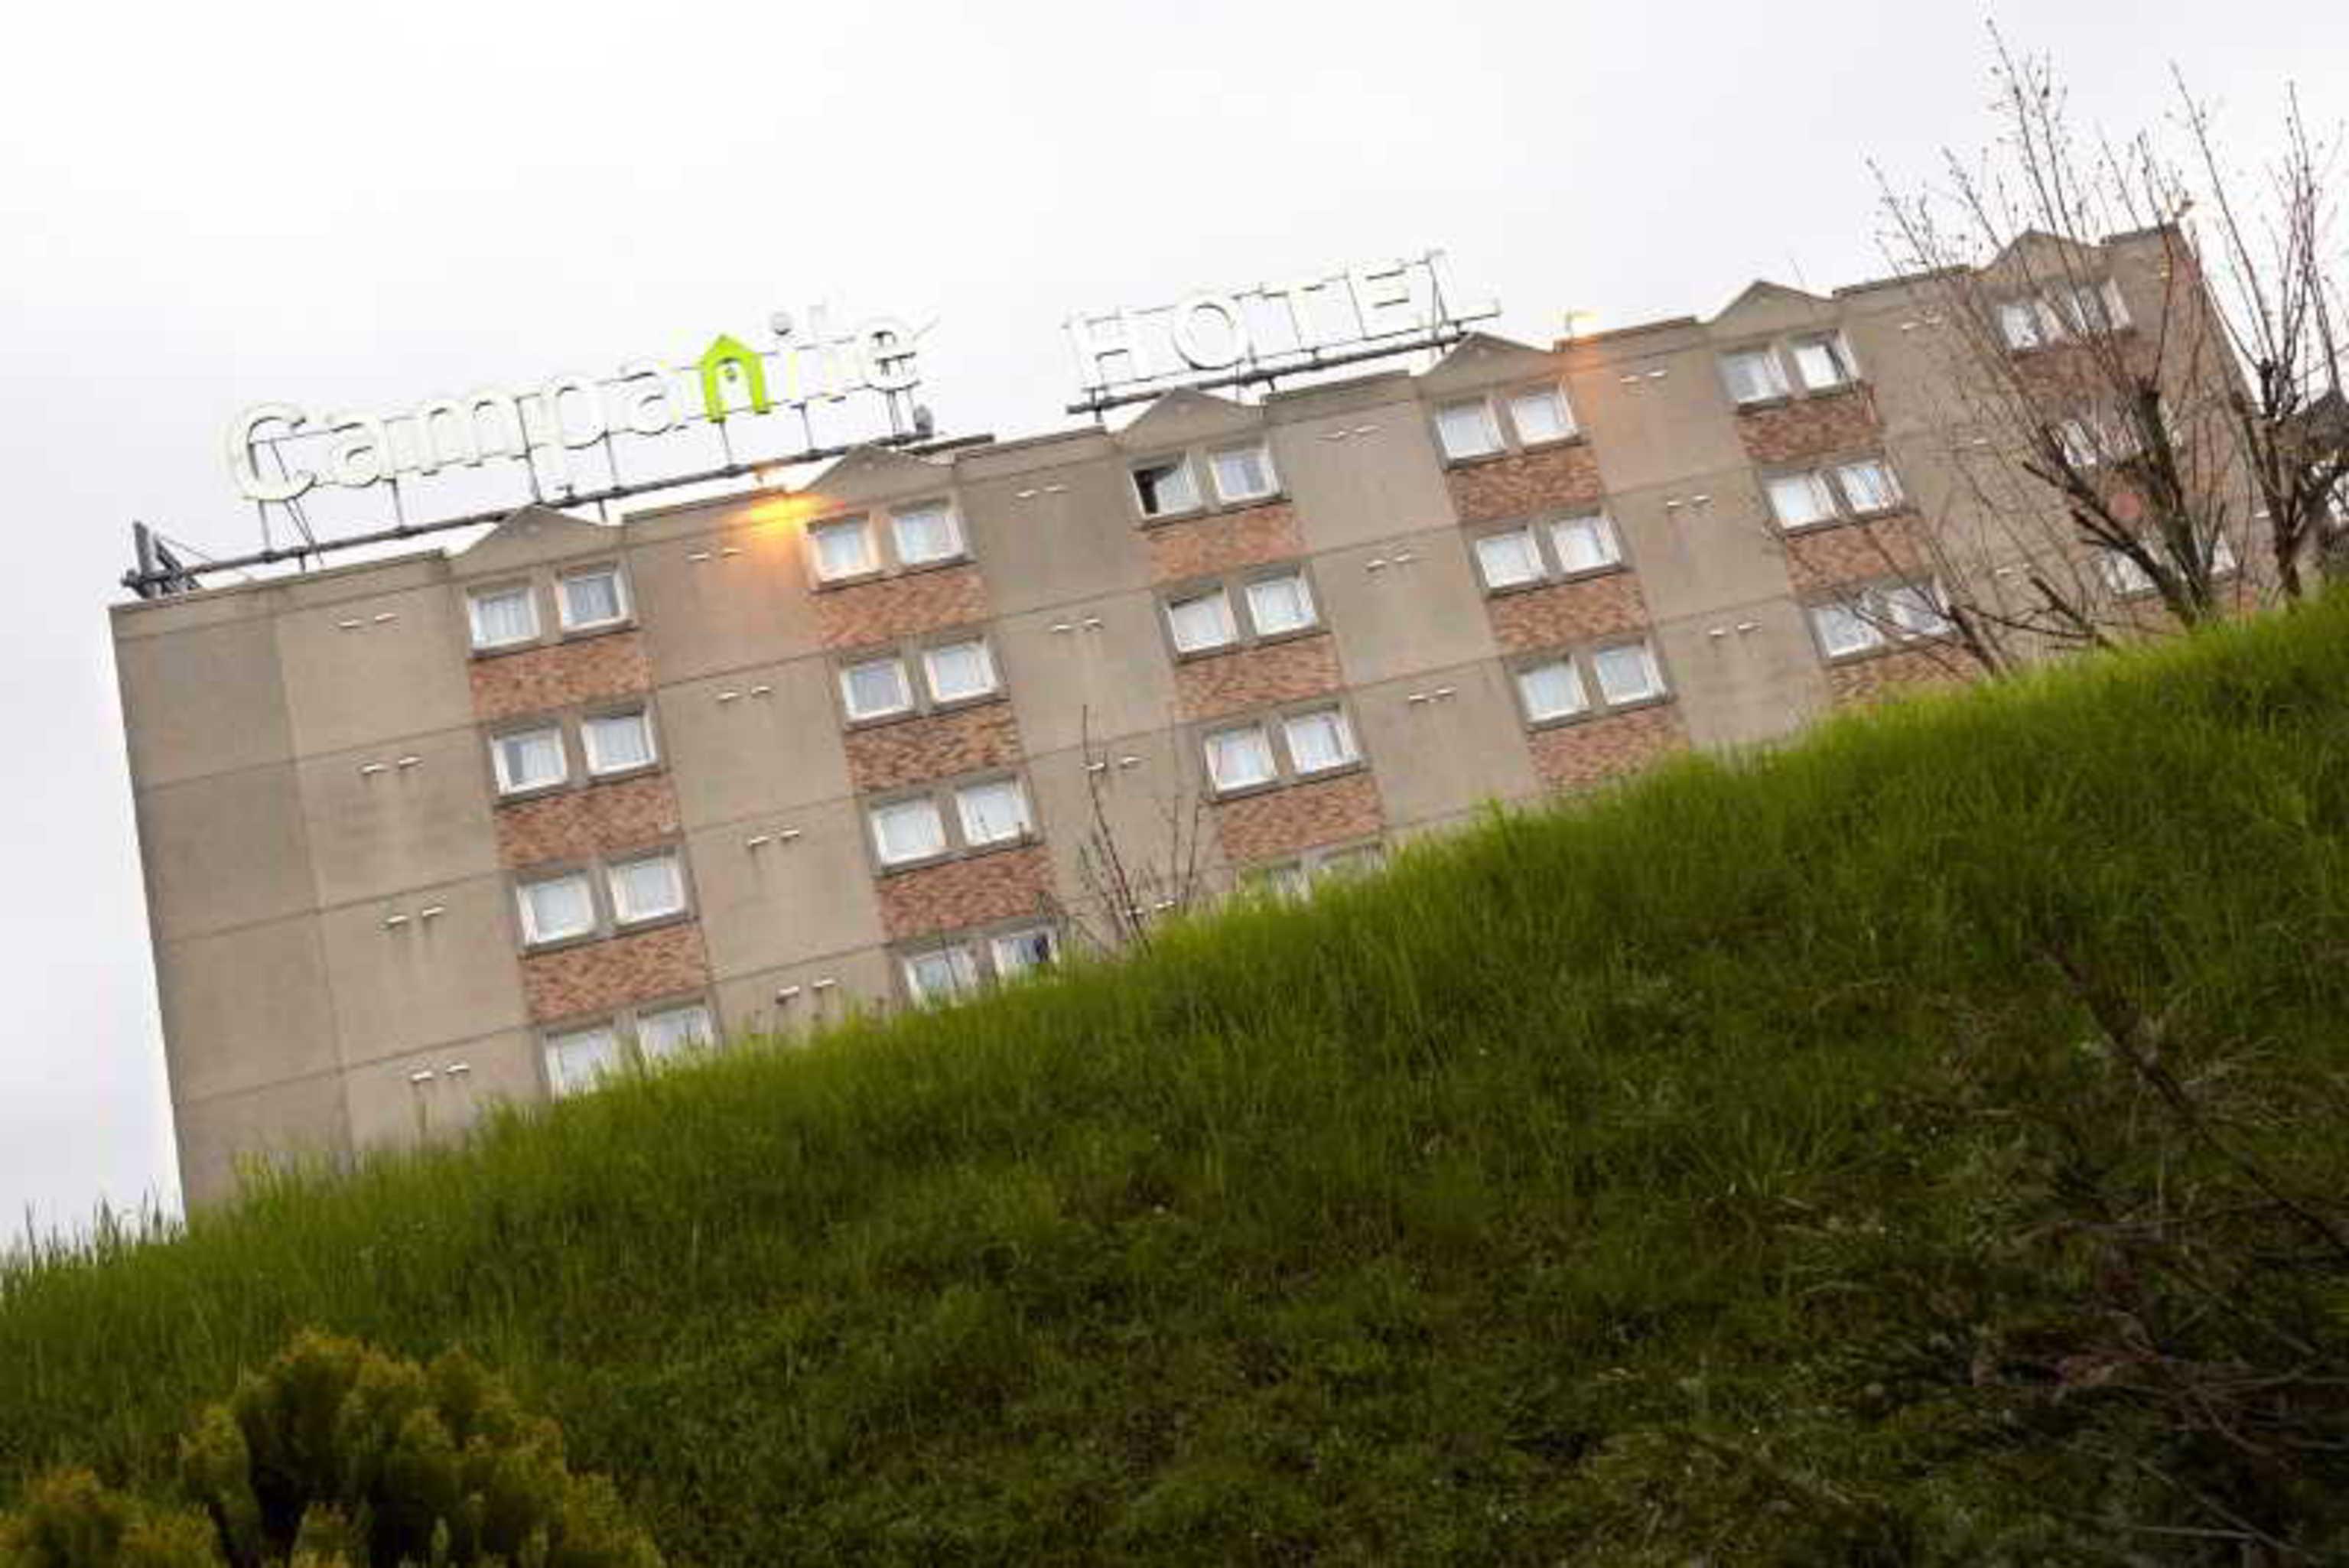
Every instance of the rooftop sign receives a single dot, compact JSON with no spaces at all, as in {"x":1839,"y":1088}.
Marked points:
{"x":1272,"y":329}
{"x":278,"y":452}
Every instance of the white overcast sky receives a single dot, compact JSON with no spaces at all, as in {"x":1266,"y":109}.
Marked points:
{"x":207,"y":206}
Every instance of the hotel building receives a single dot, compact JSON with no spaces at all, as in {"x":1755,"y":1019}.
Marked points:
{"x":424,"y":833}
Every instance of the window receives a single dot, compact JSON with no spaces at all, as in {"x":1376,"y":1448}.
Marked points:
{"x":674,"y":1031}
{"x":1915,"y":610}
{"x":875,"y":688}
{"x":2019,"y":323}
{"x":908,"y":830}
{"x":1319,"y":741}
{"x":1869,"y":486}
{"x":647,"y":888}
{"x":1278,"y":604}
{"x":1552,"y":690}
{"x":1238,"y":759}
{"x":1202,"y":621}
{"x":1822,"y":363}
{"x":2076,"y":440}
{"x":959,"y":671}
{"x":1017,"y":953}
{"x":1286,"y":879}
{"x":503,"y":616}
{"x":556,"y":907}
{"x":1509,"y":558}
{"x":1165,"y":488}
{"x":1541,"y":414}
{"x":593,"y":598}
{"x":529,"y":759}
{"x":1466,"y":429}
{"x":992,"y":814}
{"x":578,"y":1060}
{"x":1798,"y":500}
{"x":843,"y":549}
{"x":941,"y":975}
{"x":1360,"y":860}
{"x":1242,"y":473}
{"x":2223,"y":555}
{"x":1628,"y":673}
{"x":1754,"y":376}
{"x":927,"y":533}
{"x":616,"y":742}
{"x":1843,"y":631}
{"x":2089,"y":308}
{"x":1584,"y":543}
{"x":2122,"y":574}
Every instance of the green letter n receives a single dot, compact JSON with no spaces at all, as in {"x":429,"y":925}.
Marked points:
{"x":725,"y":351}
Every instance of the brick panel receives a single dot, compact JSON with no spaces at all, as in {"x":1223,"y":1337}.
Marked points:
{"x":1810,"y":426}
{"x":1255,"y":677}
{"x":601,"y":820}
{"x":1844,"y":552}
{"x":536,"y":680}
{"x":1283,"y":821}
{"x":1526,"y":481}
{"x":1568,"y":611}
{"x":934,"y":746}
{"x":1578,"y":755}
{"x":897,"y":607}
{"x":1226,"y":541}
{"x":598,"y":976}
{"x":1872,"y":680}
{"x":1000,"y":886}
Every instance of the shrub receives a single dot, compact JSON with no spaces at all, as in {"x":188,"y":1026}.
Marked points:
{"x":70,"y":1520}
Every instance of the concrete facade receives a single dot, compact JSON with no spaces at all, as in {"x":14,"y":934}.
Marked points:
{"x":338,"y":859}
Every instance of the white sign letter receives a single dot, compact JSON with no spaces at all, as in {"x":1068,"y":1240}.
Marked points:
{"x":885,"y":345}
{"x":1099,"y":339}
{"x":1196,"y":350}
{"x":241,"y":459}
{"x":361,"y":455}
{"x":646,"y":400}
{"x":586,"y":400}
{"x":1379,"y":288}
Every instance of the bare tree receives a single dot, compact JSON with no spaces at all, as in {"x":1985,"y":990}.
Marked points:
{"x":2123,"y":460}
{"x":1129,"y":883}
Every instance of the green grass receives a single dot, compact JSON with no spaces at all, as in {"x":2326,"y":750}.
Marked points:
{"x":1724,"y":1168}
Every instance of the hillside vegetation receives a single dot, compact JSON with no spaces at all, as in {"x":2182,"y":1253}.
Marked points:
{"x":1922,"y":1145}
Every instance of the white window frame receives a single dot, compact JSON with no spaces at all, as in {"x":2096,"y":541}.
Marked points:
{"x":621,"y":608}
{"x":1601,"y":528}
{"x":958,"y":957}
{"x":532,"y":935}
{"x":1216,"y":781}
{"x":507,"y":783}
{"x":1838,"y":354}
{"x":2122,"y":575}
{"x":1574,"y":672}
{"x":1350,"y":751}
{"x":1657,"y":687}
{"x":993,"y":682}
{"x":1847,"y":493}
{"x":1533,"y":551}
{"x":527,"y":591}
{"x":564,"y":1082}
{"x":624,"y":915}
{"x":1907,"y":604}
{"x":596,"y":766}
{"x":1263,"y":452}
{"x":1312,"y":611}
{"x":1830,"y":615}
{"x":1489,"y":428}
{"x":1228,"y":620}
{"x":957,"y":546}
{"x":1000,"y":941}
{"x":1553,"y":393}
{"x":875,"y":814}
{"x":1179,"y":463}
{"x":1775,"y":387}
{"x":2030,"y":315}
{"x":1022,"y":829}
{"x":818,"y":531}
{"x":707,"y":1033}
{"x":848,"y":688}
{"x":1822,"y":488}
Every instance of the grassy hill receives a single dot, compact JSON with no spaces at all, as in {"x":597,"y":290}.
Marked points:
{"x":1922,"y":1145}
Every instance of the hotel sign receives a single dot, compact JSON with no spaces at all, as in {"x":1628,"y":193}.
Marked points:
{"x":1268,"y":330}
{"x":541,"y":425}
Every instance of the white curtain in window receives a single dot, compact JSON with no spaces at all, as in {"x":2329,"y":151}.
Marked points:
{"x":1798,"y":500}
{"x":960,"y":670}
{"x":1019,"y":952}
{"x":1553,"y":690}
{"x":673,"y":1031}
{"x":1164,"y":488}
{"x":508,"y":616}
{"x":1239,"y":757}
{"x":1509,"y":558}
{"x":530,"y":760}
{"x":1320,"y":741}
{"x":1243,"y":472}
{"x":556,"y":908}
{"x":580,"y":1058}
{"x":1754,"y":376}
{"x":908,"y":830}
{"x":1540,"y":415}
{"x":1626,"y":674}
{"x":617,"y":741}
{"x":1819,"y":362}
{"x":1466,"y":429}
{"x":2019,"y":320}
{"x":1202,"y":621}
{"x":1279,"y":605}
{"x":1915,"y":610}
{"x":992,"y":812}
{"x":942,"y":975}
{"x":927,"y":533}
{"x":1844,"y":631}
{"x":591,"y":598}
{"x":874,"y":688}
{"x":644,"y":889}
{"x":1584,"y":543}
{"x":843,"y":549}
{"x":1869,"y":486}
